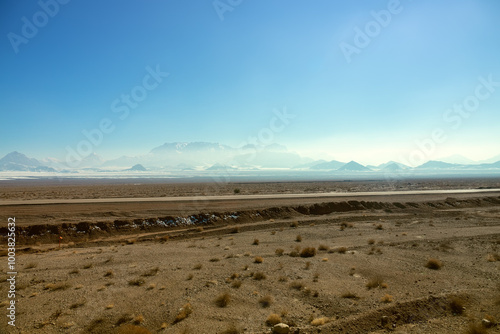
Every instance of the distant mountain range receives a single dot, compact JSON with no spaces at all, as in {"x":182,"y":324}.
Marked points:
{"x":218,"y":158}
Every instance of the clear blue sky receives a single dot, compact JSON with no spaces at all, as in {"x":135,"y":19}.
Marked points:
{"x":227,"y":76}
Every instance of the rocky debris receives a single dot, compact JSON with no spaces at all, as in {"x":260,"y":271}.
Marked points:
{"x":486,"y":323}
{"x":281,"y":328}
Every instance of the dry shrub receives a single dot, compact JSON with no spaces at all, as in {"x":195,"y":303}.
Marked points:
{"x":273,"y":319}
{"x":190,"y":277}
{"x":456,"y":305}
{"x":323,"y":247}
{"x":371,"y":241}
{"x":298,"y":238}
{"x":349,"y":295}
{"x":236,"y":284}
{"x":87,"y":265}
{"x":223,"y":300}
{"x":235,"y":230}
{"x":198,"y":266}
{"x":259,"y":276}
{"x":74,"y":272}
{"x":375,"y":282}
{"x":283,"y":279}
{"x":308,"y":265}
{"x":132,"y":329}
{"x":297,"y":285}
{"x":259,"y":259}
{"x":151,"y":272}
{"x":255,"y":242}
{"x":294,"y":253}
{"x":109,"y":273}
{"x":434,"y":264}
{"x":294,"y":224}
{"x":266,"y":301}
{"x":379,"y":227}
{"x":341,"y":250}
{"x":214,"y":259}
{"x":184,"y":312}
{"x":387,"y":298}
{"x":57,"y":286}
{"x":319,"y":321}
{"x":308,"y":252}
{"x":136,"y":282}
{"x":279,"y":251}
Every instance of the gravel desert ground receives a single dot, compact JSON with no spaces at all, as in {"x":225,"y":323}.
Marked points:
{"x":407,"y":263}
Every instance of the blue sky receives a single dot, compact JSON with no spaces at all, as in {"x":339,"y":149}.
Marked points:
{"x":225,"y":77}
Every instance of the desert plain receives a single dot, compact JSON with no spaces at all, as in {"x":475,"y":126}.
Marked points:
{"x":149,"y":256}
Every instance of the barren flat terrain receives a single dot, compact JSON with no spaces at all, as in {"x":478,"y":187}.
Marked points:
{"x":408,"y":262}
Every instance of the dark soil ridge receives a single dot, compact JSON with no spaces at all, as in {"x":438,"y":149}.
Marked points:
{"x":49,"y":233}
{"x":400,"y":313}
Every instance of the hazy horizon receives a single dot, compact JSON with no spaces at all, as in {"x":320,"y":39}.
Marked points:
{"x":371,"y":82}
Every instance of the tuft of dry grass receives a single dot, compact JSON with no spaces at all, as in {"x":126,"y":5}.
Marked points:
{"x":198,"y":266}
{"x":456,"y":305}
{"x":298,"y":238}
{"x":151,"y":272}
{"x":236,"y":284}
{"x":214,"y":259}
{"x":57,"y":286}
{"x":294,"y":224}
{"x":255,"y":242}
{"x":136,"y":282}
{"x":387,"y":298}
{"x":279,"y":251}
{"x":273,"y":319}
{"x":341,"y":250}
{"x":109,"y":273}
{"x":371,"y":241}
{"x":323,"y":247}
{"x":379,"y":227}
{"x":190,"y":277}
{"x":375,"y":282}
{"x":349,"y":295}
{"x":319,"y":321}
{"x":266,"y":301}
{"x":258,"y":259}
{"x":131,"y":241}
{"x":434,"y":264}
{"x":184,"y":312}
{"x":223,"y":300}
{"x":258,"y":276}
{"x":308,"y":252}
{"x":297,"y":285}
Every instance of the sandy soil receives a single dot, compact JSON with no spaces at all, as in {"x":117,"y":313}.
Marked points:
{"x":144,"y":277}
